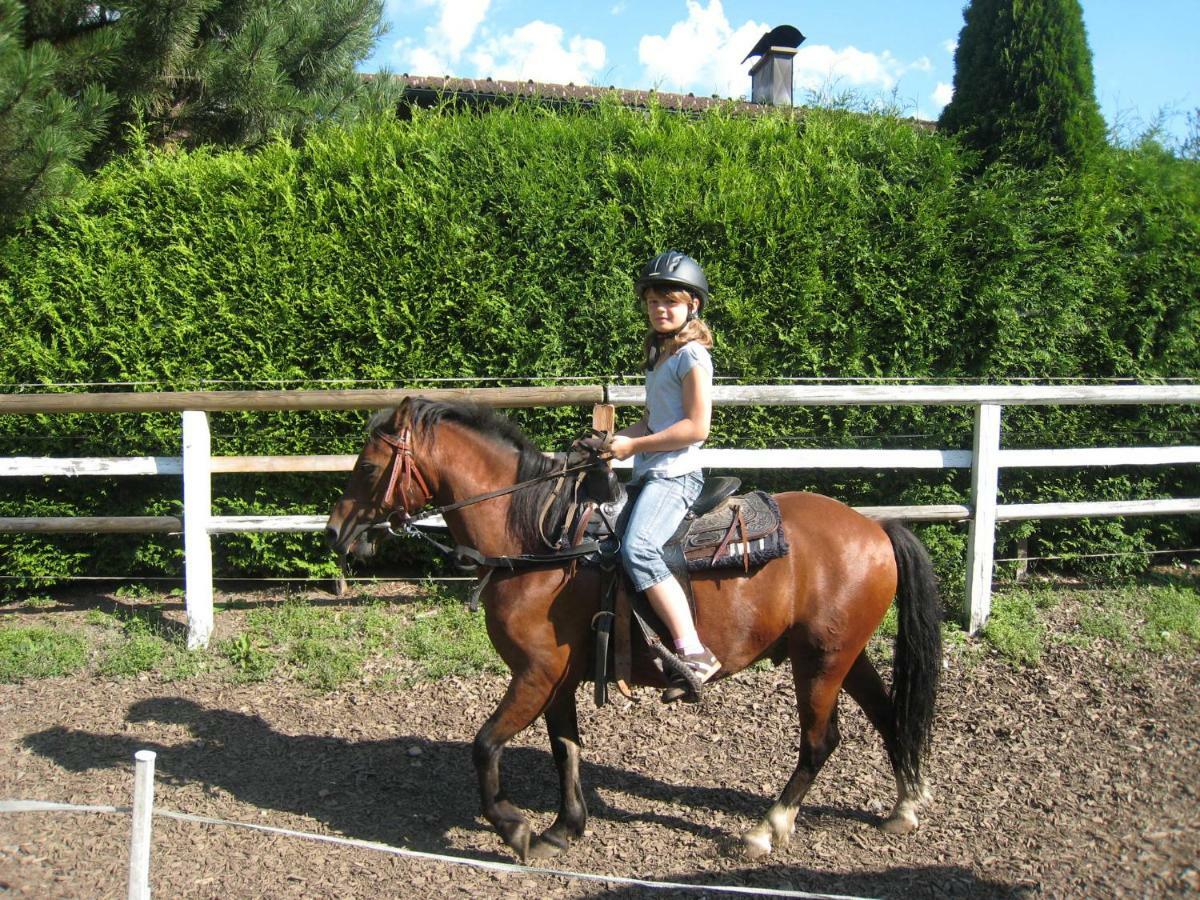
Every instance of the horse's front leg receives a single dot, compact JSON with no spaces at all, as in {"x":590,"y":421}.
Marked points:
{"x":563,"y":726}
{"x":526,"y":697}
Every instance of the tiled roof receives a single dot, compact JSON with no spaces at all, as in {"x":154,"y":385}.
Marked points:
{"x":429,"y":90}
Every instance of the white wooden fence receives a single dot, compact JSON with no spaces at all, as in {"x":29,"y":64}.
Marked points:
{"x":197,"y":464}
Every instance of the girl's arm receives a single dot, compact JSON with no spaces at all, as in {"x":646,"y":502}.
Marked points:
{"x":638,"y":429}
{"x":693,"y":427}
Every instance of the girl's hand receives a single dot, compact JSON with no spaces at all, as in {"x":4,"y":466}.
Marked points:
{"x":621,"y":447}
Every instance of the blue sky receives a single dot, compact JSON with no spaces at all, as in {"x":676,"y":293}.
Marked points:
{"x":1143,"y":53}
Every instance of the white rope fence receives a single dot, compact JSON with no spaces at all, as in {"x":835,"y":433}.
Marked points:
{"x":143,"y":812}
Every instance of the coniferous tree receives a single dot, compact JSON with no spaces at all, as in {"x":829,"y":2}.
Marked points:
{"x":1023,"y":84}
{"x":74,"y":76}
{"x":52,"y":110}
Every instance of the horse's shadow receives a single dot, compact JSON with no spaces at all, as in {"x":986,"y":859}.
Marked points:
{"x":411,"y":791}
{"x":407,"y":790}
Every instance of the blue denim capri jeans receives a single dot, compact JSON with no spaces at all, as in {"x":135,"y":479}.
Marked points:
{"x":657,"y":512}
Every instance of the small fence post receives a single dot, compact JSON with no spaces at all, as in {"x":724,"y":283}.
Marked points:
{"x":981,"y":537}
{"x":143,"y":817}
{"x":197,"y":510}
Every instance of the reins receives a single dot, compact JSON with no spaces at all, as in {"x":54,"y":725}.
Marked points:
{"x":404,"y":472}
{"x":477,"y":498}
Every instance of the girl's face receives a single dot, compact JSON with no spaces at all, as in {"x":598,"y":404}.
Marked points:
{"x":667,"y":310}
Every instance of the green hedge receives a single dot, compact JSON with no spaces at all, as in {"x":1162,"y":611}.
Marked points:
{"x":502,"y":245}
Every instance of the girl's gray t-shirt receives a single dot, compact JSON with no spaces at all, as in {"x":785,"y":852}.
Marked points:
{"x":664,"y":403}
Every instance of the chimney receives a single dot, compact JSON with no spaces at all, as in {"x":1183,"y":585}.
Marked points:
{"x":771,"y":77}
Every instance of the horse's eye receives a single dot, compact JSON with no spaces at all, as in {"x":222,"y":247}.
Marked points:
{"x":367,"y":468}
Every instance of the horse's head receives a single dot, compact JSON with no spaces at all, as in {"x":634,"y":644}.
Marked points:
{"x":384,"y":486}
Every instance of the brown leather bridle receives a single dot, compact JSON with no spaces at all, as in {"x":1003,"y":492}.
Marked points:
{"x":404,"y":473}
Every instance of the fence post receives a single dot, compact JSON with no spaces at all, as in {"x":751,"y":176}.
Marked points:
{"x":982,"y":534}
{"x":143,"y":816}
{"x":197,"y":545}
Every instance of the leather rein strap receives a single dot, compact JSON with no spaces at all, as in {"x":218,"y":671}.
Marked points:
{"x":404,"y":473}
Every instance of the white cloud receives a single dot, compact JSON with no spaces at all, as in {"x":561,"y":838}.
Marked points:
{"x":820,"y":66}
{"x":702,"y":53}
{"x":445,"y":41}
{"x":942,"y":94}
{"x":950,"y":45}
{"x":537,"y":51}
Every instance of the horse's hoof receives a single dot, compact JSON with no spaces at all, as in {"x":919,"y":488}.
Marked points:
{"x":549,"y":845}
{"x":517,"y":837}
{"x":899,"y":823}
{"x":755,"y":844}
{"x":543,"y":849}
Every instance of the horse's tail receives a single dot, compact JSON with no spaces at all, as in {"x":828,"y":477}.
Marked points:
{"x":918,"y":653}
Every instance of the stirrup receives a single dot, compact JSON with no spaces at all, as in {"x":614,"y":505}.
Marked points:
{"x":685,"y":685}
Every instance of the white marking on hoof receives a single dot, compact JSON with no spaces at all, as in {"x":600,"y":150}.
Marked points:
{"x":756,"y":843}
{"x":903,"y":820}
{"x":782,"y":822}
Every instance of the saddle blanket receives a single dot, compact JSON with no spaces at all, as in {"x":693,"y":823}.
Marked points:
{"x":741,"y":533}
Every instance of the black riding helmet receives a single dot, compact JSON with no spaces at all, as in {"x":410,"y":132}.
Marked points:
{"x":675,"y":269}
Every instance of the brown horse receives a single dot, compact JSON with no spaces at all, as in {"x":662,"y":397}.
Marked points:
{"x":817,"y":606}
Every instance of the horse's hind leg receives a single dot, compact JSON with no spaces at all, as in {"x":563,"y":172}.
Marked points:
{"x":866,"y":687}
{"x":816,"y":696}
{"x":524,"y":700}
{"x":563,"y":727}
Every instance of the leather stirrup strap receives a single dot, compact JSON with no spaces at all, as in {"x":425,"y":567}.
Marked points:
{"x":622,"y":650}
{"x":738,"y":524}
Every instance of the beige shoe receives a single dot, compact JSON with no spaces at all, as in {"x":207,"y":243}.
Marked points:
{"x":704,"y":665}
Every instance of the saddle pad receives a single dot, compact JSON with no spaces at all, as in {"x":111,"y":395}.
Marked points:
{"x":756,"y":539}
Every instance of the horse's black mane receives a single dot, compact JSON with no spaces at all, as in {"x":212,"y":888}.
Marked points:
{"x":424,"y":415}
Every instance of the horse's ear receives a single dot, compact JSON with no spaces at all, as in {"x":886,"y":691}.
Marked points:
{"x":399,"y":415}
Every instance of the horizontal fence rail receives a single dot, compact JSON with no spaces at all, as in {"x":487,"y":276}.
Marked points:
{"x":197,"y":465}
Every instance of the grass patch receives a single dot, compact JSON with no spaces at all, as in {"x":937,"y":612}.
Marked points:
{"x":1016,"y":626}
{"x":136,"y":654}
{"x":326,"y":649}
{"x":1106,"y":624}
{"x":448,"y":639}
{"x":1171,"y":618}
{"x":39,"y":652}
{"x":250,"y":662}
{"x":1127,"y":622}
{"x":320,"y":648}
{"x":136,"y":646}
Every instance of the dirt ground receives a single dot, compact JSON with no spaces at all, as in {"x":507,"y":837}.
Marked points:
{"x":1078,"y":778}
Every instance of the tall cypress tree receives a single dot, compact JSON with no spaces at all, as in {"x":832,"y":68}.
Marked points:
{"x":74,"y":75}
{"x":1023,"y":83}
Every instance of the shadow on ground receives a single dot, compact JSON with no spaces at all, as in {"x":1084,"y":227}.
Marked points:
{"x":410,"y":791}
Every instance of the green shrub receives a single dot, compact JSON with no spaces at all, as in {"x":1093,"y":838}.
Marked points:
{"x":502,"y":246}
